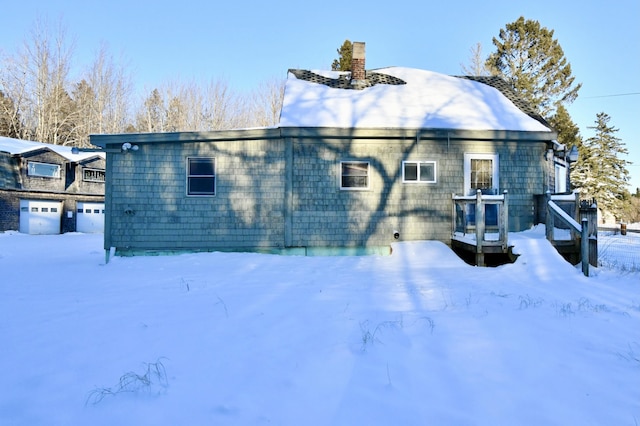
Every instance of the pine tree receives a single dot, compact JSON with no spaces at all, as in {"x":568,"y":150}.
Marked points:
{"x":533,"y":62}
{"x":9,"y":118}
{"x":600,"y":173}
{"x":61,"y":114}
{"x":568,"y":132}
{"x":343,"y":63}
{"x":151,"y":117}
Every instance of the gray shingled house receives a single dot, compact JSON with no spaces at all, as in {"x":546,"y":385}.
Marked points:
{"x":48,"y":189}
{"x":358,"y":160}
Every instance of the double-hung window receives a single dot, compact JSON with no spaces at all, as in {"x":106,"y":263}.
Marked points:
{"x":354,"y":175}
{"x":419,"y":171}
{"x":201,"y":176}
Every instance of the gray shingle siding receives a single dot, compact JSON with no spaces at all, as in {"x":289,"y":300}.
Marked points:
{"x":246,"y":211}
{"x":280,"y":192}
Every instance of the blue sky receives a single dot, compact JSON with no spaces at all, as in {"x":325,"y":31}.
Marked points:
{"x":245,"y":43}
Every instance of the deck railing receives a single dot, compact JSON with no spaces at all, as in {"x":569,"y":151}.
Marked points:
{"x":561,"y":227}
{"x":481,"y":221}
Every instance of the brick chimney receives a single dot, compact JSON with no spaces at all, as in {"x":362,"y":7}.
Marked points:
{"x":358,"y":74}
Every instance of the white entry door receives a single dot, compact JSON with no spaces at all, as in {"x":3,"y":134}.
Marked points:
{"x":90,"y":217}
{"x":40,"y":217}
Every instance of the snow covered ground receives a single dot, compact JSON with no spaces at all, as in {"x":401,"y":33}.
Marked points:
{"x":415,"y":338}
{"x":619,"y":251}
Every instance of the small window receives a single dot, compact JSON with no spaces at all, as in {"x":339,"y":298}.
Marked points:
{"x":419,"y":171}
{"x":96,"y":211}
{"x":201,"y":176}
{"x":54,"y":210}
{"x":354,"y":175}
{"x":481,"y":174}
{"x":43,"y":170}
{"x":87,"y":210}
{"x":80,"y":211}
{"x":93,"y":175}
{"x":45,"y":210}
{"x":24,"y":209}
{"x":34,"y":210}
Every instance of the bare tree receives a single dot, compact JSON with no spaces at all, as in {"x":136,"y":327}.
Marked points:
{"x":106,"y":101}
{"x":179,"y":106}
{"x":477,"y":63}
{"x":222,"y":109}
{"x":44,"y":65}
{"x":39,"y":101}
{"x":267,"y":103}
{"x":36,"y":79}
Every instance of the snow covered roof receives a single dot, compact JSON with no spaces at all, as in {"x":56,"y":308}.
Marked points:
{"x":400,"y":97}
{"x":19,"y":146}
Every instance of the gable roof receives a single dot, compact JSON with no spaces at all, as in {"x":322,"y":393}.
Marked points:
{"x":403,"y":98}
{"x":19,"y":147}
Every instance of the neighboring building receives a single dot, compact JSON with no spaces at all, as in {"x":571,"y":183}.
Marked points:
{"x":47,"y":189}
{"x":354,"y":163}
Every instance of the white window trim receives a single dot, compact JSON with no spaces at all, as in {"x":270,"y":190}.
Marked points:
{"x":467,"y":170}
{"x":561,"y":171}
{"x":31,"y":171}
{"x":359,"y":188}
{"x":215,"y":177}
{"x":418,"y":162}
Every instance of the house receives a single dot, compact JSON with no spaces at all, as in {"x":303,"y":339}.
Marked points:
{"x":48,"y":189}
{"x":358,"y":160}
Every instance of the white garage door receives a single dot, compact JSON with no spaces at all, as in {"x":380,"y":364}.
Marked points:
{"x":90,"y":217}
{"x":40,"y":217}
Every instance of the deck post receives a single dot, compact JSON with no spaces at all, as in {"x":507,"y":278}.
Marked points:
{"x":549,"y":223}
{"x":584,"y":246}
{"x":479,"y":228}
{"x":505,"y":219}
{"x":453,"y":214}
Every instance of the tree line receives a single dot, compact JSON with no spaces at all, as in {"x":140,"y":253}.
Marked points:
{"x":40,"y":101}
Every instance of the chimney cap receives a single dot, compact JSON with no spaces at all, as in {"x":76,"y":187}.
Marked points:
{"x":358,"y":50}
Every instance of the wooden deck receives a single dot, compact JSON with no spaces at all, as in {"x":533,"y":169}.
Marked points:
{"x":480,"y":225}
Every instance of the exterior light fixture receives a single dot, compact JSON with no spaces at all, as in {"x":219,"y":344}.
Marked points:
{"x":128,"y":147}
{"x":572,"y":155}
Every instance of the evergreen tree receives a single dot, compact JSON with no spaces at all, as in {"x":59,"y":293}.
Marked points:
{"x":600,"y":173}
{"x":568,"y":132}
{"x":62,"y":116}
{"x":151,"y":117}
{"x":9,"y":118}
{"x":85,"y":101}
{"x":533,"y":62}
{"x":343,"y":63}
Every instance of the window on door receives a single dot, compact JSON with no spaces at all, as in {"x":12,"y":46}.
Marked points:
{"x":481,"y":172}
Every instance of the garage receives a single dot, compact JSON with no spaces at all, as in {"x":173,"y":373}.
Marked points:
{"x":40,"y":217}
{"x":90,"y":217}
